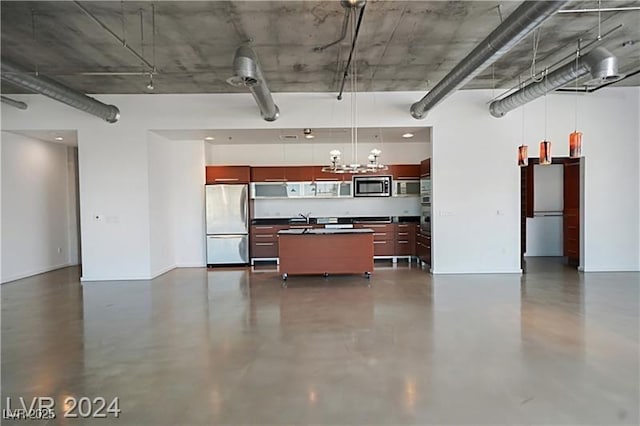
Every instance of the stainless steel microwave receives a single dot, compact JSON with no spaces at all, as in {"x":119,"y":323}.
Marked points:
{"x":372,"y":186}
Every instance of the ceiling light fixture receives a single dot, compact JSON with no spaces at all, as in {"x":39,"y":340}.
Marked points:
{"x":308,"y":134}
{"x":407,"y":135}
{"x":150,"y":84}
{"x":209,"y":138}
{"x":335,"y":155}
{"x":59,"y":138}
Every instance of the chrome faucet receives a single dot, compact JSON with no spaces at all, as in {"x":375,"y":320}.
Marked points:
{"x":306,"y":217}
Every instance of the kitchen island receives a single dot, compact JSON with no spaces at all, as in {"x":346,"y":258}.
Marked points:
{"x":325,"y":251}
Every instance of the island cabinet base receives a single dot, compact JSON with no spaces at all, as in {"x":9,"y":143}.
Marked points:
{"x":307,"y":254}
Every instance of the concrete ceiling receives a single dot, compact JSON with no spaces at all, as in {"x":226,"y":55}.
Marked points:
{"x":403,"y":45}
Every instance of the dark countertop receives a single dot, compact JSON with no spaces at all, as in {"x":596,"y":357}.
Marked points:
{"x":325,"y":231}
{"x":341,"y":220}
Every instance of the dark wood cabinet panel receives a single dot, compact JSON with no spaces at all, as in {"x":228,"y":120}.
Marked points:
{"x":571,"y":213}
{"x":299,"y":173}
{"x":383,"y":247}
{"x":268,"y":174}
{"x":406,"y":171}
{"x":425,"y":168}
{"x":227,"y":174}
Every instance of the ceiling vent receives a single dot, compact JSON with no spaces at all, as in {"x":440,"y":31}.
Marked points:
{"x":247,"y":73}
{"x":289,"y":137}
{"x":23,"y":78}
{"x":599,"y":63}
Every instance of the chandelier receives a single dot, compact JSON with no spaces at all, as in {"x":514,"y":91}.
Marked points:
{"x":373,"y":165}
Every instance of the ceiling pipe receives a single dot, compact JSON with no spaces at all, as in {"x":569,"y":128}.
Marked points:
{"x":21,"y":77}
{"x":247,"y":73}
{"x":13,"y":102}
{"x":528,"y":16}
{"x":600,"y":63}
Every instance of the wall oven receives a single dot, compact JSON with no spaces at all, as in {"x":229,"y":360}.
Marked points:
{"x":372,"y":186}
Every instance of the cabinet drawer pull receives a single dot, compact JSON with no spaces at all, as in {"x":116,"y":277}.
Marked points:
{"x":403,"y":242}
{"x":275,"y":180}
{"x":379,"y":242}
{"x":375,"y":226}
{"x":403,"y":226}
{"x":403,"y":233}
{"x":226,"y":179}
{"x":408,"y":177}
{"x":264,"y":244}
{"x":264,"y":236}
{"x":264,"y":227}
{"x":379,"y":233}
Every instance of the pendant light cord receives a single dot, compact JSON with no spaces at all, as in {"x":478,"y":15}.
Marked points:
{"x":576,"y":90}
{"x":546,"y":72}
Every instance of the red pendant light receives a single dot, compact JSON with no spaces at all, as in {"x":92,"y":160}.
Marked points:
{"x":523,"y":156}
{"x":575,"y":144}
{"x":545,"y":153}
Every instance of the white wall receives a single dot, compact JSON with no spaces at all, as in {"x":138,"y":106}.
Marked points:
{"x":36,"y":216}
{"x":476,"y":198}
{"x":305,"y":153}
{"x":161,"y":223}
{"x":187,"y":187}
{"x":544,"y":231}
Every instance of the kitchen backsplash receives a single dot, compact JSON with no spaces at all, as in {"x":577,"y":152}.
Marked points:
{"x":382,"y":206}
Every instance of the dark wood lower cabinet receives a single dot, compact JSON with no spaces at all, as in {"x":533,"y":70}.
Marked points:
{"x":389,"y":240}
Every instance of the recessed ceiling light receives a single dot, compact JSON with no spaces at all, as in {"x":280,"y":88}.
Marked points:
{"x":209,"y":138}
{"x":59,"y":138}
{"x":407,"y":135}
{"x":308,"y":134}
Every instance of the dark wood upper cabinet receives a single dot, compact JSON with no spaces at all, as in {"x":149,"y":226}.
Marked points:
{"x":282,"y":173}
{"x":299,"y":173}
{"x":227,"y":174}
{"x":425,"y":168}
{"x":268,"y":174}
{"x":405,"y":171}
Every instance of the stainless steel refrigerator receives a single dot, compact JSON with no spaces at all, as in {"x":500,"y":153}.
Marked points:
{"x":227,"y":208}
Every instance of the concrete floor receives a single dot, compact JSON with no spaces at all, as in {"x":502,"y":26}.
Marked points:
{"x":233,"y":347}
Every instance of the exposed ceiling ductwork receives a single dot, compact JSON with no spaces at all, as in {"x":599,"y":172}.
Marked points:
{"x":521,"y":22}
{"x":23,"y":78}
{"x":13,"y":102}
{"x":247,"y":72}
{"x":600,"y":63}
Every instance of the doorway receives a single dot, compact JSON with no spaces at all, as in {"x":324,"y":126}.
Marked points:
{"x":550,"y":210}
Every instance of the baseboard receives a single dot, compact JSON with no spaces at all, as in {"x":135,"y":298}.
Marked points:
{"x":191,"y":265}
{"x":607,"y":270}
{"x":163,"y":271}
{"x":151,"y":277}
{"x":84,"y":279}
{"x":37,"y":272}
{"x":515,"y":271}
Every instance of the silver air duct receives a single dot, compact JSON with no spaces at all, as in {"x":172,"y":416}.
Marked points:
{"x":600,"y":63}
{"x":528,"y":16}
{"x":25,"y":79}
{"x":13,"y":102}
{"x":247,"y":73}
